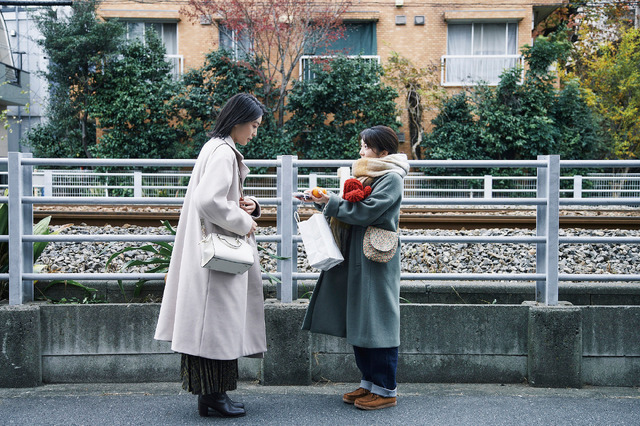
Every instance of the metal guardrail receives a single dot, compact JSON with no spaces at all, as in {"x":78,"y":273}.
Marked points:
{"x":547,"y":240}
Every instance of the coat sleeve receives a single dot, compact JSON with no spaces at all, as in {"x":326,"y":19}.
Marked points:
{"x":258,"y":211}
{"x":364,"y":213}
{"x":210,"y":195}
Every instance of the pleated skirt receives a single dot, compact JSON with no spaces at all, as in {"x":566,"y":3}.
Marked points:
{"x":203,"y":376}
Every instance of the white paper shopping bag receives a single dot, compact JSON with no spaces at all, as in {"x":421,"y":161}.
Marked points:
{"x":321,"y":248}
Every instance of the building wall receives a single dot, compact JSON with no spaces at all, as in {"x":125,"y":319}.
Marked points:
{"x":422,"y":44}
{"x":194,"y":40}
{"x":29,"y":57}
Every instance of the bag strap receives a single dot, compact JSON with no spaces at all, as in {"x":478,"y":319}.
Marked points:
{"x":237,"y":167}
{"x":202,"y":227}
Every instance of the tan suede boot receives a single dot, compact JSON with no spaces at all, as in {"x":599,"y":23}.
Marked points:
{"x":351,"y":397}
{"x":375,"y":402}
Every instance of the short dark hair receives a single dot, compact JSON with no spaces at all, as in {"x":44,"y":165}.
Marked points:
{"x":239,"y":109}
{"x":380,"y":138}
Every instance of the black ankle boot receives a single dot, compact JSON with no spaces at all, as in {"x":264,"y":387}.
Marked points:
{"x":232,"y":402}
{"x":220,"y":403}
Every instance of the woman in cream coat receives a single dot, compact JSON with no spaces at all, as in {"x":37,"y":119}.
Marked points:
{"x":212,"y":318}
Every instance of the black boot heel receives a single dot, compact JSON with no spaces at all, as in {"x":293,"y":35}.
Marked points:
{"x":203,"y":410}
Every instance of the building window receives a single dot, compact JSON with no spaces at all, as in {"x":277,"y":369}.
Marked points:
{"x":235,"y":42}
{"x":359,"y":40}
{"x":168,"y":33}
{"x":479,"y":52}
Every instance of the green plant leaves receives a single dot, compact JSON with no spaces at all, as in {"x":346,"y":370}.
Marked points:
{"x":329,"y":111}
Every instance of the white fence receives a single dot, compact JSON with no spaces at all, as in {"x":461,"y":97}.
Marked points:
{"x":86,"y":183}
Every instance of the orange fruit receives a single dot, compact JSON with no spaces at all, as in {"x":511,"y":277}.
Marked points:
{"x":317,"y":190}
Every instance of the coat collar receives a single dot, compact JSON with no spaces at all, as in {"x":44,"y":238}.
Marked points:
{"x":244,"y":170}
{"x":229,"y":141}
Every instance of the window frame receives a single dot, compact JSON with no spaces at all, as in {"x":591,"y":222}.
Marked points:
{"x":238,"y":53}
{"x":511,"y":40}
{"x":176,"y":60}
{"x":304,"y":69}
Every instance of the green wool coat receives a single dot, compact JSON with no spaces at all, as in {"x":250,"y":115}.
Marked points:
{"x":360,"y":299}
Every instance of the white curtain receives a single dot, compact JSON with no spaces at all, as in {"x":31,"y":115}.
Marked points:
{"x":490,"y":39}
{"x":478,"y":40}
{"x":459,"y":41}
{"x":167,"y":33}
{"x":512,"y":39}
{"x":170,"y":38}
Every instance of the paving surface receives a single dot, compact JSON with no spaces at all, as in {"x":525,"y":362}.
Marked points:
{"x":418,"y":404}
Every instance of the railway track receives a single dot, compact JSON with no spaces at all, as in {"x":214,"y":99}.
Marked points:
{"x":410,"y":217}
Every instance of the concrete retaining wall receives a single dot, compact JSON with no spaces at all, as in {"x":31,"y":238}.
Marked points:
{"x":458,"y":292}
{"x":489,"y":343}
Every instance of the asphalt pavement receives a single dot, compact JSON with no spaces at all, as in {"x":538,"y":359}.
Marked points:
{"x":321,"y":404}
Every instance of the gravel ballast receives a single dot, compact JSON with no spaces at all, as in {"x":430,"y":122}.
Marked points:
{"x":89,"y":257}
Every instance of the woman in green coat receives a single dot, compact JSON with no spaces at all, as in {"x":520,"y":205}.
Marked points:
{"x":360,"y":299}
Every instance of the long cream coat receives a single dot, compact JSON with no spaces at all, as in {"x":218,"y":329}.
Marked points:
{"x":208,"y":313}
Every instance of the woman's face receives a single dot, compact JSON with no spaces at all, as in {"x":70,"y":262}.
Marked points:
{"x":243,"y":133}
{"x":366,"y":152}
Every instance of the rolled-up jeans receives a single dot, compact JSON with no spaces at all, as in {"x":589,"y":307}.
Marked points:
{"x":378,"y":367}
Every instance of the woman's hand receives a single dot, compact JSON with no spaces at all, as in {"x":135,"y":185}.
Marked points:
{"x":248,"y":205}
{"x":254,"y":226}
{"x":322,"y":199}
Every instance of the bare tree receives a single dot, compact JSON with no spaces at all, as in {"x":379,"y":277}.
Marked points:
{"x":280,"y":32}
{"x":421,"y":90}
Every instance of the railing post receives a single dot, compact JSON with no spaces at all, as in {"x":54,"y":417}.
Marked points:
{"x":344,"y":173}
{"x":577,"y":186}
{"x":313,"y":180}
{"x":548,"y":225}
{"x":16,"y":290}
{"x":488,"y":186}
{"x":27,"y":228}
{"x":287,"y":175}
{"x":48,"y":183}
{"x":137,"y":184}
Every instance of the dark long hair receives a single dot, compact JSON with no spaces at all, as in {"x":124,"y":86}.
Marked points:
{"x":380,"y":138}
{"x":240,"y":109}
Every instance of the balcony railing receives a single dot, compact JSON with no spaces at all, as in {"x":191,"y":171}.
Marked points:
{"x":306,"y":73}
{"x":466,"y":70}
{"x":12,"y":75}
{"x":177,"y":61}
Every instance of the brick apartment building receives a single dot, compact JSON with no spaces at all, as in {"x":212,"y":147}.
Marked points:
{"x":471,"y":40}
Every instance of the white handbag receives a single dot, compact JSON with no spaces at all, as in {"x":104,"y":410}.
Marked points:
{"x":321,"y":248}
{"x":225,"y":253}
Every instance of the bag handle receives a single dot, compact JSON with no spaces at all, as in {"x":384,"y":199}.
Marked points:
{"x":229,"y":243}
